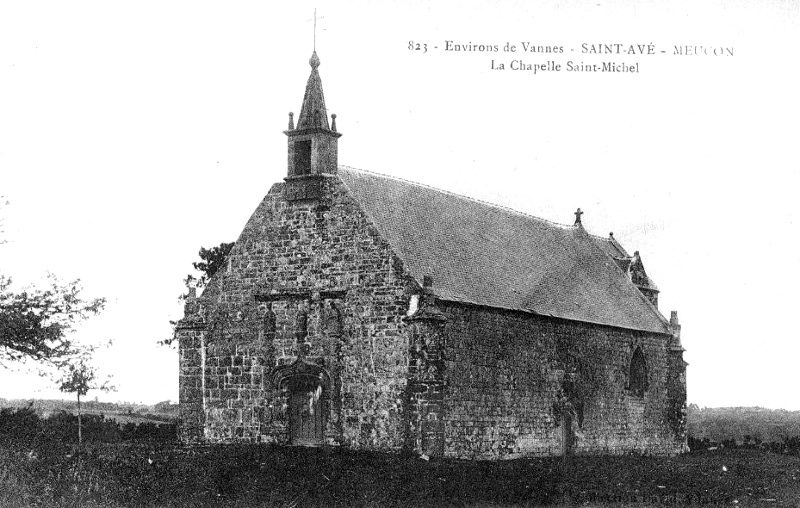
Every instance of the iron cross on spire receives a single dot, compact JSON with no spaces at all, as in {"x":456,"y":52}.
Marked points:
{"x":315,"y":27}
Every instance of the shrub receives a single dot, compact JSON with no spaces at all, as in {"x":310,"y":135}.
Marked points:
{"x":18,"y":425}
{"x":24,"y":428}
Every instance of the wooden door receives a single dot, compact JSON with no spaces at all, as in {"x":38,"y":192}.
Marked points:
{"x":305,"y":417}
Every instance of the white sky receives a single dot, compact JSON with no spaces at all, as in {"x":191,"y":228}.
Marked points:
{"x":133,"y":134}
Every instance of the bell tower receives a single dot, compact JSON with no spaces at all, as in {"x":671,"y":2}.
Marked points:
{"x":312,"y":143}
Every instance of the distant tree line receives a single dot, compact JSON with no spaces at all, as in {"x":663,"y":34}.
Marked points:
{"x":744,"y":427}
{"x":163,"y":411}
{"x":789,"y":445}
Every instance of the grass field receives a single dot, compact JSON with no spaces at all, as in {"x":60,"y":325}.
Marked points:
{"x":260,"y":476}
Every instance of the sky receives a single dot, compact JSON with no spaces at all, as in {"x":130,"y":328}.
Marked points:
{"x":132,"y":134}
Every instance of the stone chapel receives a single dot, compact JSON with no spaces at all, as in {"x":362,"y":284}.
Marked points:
{"x":365,"y":311}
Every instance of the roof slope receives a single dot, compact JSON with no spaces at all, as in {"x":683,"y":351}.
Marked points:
{"x":487,"y":255}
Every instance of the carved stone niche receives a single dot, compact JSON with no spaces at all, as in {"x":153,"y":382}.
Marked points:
{"x":268,"y":320}
{"x":333,"y":319}
{"x":301,"y":325}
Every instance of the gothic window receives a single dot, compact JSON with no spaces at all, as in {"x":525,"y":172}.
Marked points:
{"x":638,"y":374}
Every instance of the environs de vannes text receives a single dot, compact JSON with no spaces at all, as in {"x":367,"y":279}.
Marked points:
{"x":585,"y":48}
{"x":572,"y":66}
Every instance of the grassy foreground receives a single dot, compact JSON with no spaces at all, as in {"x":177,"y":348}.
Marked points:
{"x":127,"y":475}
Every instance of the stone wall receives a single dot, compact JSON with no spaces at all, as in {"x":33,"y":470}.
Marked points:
{"x":512,"y":379}
{"x":324,"y":260}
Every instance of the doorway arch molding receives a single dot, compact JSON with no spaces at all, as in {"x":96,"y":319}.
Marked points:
{"x":301,"y":371}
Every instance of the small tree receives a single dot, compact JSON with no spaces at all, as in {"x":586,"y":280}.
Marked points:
{"x":79,"y":378}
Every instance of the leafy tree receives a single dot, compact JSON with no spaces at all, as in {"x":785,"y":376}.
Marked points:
{"x":211,"y":260}
{"x":79,"y":378}
{"x":35,"y":324}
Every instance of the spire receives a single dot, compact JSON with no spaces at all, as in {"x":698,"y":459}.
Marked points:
{"x":313,"y":113}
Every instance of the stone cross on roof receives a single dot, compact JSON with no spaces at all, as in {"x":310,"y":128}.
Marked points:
{"x":578,"y":214}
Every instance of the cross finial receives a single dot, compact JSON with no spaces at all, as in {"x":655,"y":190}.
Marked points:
{"x":578,"y":214}
{"x":315,"y":27}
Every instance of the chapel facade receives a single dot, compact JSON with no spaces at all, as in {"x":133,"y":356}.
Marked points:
{"x":369,"y":312}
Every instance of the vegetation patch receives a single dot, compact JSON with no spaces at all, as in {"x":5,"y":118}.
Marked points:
{"x":42,"y":465}
{"x":153,"y":475}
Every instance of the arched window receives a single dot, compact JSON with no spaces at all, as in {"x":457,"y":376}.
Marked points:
{"x":638,"y":374}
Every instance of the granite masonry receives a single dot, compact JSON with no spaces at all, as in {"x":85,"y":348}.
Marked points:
{"x":365,"y":311}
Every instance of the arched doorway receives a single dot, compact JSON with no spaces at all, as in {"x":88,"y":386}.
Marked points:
{"x":306,"y":423}
{"x":307,"y":384}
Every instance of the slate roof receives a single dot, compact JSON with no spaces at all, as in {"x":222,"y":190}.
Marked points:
{"x":485,"y":254}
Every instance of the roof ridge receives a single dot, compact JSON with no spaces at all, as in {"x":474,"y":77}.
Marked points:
{"x":614,"y":242}
{"x":598,"y":237}
{"x":476,"y":200}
